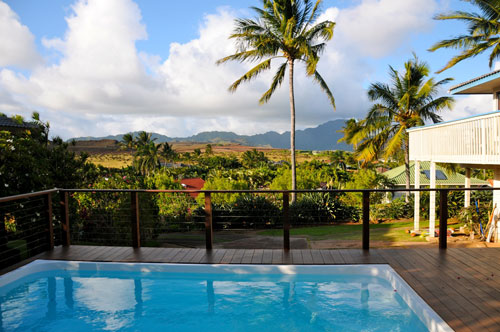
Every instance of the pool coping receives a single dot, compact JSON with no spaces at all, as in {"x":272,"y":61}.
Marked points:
{"x":426,"y":314}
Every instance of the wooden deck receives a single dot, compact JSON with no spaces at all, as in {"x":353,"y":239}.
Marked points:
{"x":461,"y":284}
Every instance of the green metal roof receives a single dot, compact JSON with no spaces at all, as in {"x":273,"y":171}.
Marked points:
{"x":398,"y":176}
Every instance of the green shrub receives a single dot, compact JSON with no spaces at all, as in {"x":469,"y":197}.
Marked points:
{"x":322,"y":208}
{"x":248,"y":211}
{"x":396,"y":209}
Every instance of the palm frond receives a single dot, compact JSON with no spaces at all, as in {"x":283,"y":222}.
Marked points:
{"x":277,"y":80}
{"x":252,"y":73}
{"x":324,"y":87}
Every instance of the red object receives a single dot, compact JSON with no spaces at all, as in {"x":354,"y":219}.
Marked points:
{"x":193,"y":184}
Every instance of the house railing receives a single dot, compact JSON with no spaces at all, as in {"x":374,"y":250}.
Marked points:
{"x":474,"y":140}
{"x":44,"y":229}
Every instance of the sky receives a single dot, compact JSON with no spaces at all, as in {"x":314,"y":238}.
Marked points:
{"x":106,"y":67}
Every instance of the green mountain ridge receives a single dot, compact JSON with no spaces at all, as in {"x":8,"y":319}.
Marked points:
{"x":322,"y":137}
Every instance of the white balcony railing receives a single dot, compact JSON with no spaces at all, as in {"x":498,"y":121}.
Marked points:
{"x":473,"y":140}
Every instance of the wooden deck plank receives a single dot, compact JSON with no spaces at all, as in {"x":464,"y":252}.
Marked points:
{"x":257,"y":256}
{"x":267,"y":256}
{"x":402,"y":266}
{"x":277,"y":256}
{"x":247,"y":256}
{"x":471,"y":293}
{"x":296,"y":256}
{"x":228,"y":255}
{"x":307,"y":256}
{"x":449,"y":297}
{"x":238,"y":256}
{"x":317,"y":257}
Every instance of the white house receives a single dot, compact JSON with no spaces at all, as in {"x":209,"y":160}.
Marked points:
{"x":472,"y":142}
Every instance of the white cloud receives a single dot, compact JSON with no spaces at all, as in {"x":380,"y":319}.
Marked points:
{"x":378,"y":27}
{"x":103,"y":85}
{"x":17,"y":46}
{"x":469,"y":105}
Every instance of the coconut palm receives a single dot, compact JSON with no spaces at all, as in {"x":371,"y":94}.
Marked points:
{"x":408,"y":101}
{"x":128,"y":142}
{"x":144,"y":138}
{"x":284,"y":29}
{"x":147,"y":158}
{"x":483,"y":32}
{"x":167,"y":152}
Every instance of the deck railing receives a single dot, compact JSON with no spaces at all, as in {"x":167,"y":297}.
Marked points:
{"x":474,"y":140}
{"x":41,"y":228}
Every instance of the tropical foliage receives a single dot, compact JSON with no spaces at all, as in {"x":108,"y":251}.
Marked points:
{"x":30,"y":162}
{"x":482,"y":32}
{"x":285,"y":29}
{"x":409,"y":100}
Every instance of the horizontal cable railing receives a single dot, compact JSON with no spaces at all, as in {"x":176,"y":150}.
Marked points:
{"x":35,"y":222}
{"x":28,"y":225}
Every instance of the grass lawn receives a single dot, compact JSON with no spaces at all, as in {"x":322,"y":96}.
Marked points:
{"x":389,"y":232}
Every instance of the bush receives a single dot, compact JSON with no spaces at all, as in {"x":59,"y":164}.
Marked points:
{"x":322,"y":208}
{"x":396,"y":209}
{"x":475,"y":216}
{"x":248,"y":211}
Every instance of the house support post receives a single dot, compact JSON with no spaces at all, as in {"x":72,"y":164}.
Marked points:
{"x":467,"y":185}
{"x":432,"y":201}
{"x":496,"y":201}
{"x":416,"y":212}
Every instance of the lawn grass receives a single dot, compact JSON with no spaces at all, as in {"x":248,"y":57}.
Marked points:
{"x":390,"y":231}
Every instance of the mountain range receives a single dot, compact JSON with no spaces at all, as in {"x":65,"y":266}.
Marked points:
{"x":322,"y":137}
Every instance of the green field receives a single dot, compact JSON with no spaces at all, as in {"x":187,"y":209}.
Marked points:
{"x":388,"y":232}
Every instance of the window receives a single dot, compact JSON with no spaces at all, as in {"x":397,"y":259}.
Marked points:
{"x":439,"y":174}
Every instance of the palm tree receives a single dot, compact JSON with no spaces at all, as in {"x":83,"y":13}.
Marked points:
{"x":144,"y":138}
{"x":408,"y":101}
{"x":483,"y":32}
{"x":167,"y":152}
{"x":283,"y":29}
{"x":128,"y":142}
{"x":147,"y":158}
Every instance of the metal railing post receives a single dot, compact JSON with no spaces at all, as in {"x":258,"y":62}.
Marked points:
{"x":134,"y":219}
{"x":208,"y":222}
{"x":65,"y":230}
{"x":50,"y":226}
{"x":366,"y":220}
{"x":443,"y":218}
{"x":286,"y":221}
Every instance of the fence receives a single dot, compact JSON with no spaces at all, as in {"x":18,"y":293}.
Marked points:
{"x":125,"y":218}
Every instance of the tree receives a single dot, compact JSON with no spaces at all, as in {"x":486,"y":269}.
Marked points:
{"x":408,"y":101}
{"x":253,"y":158}
{"x":283,"y":29}
{"x":483,"y":32}
{"x":208,"y":149}
{"x":30,"y":162}
{"x":147,"y":158}
{"x":128,"y":142}
{"x":144,"y":138}
{"x":167,"y":152}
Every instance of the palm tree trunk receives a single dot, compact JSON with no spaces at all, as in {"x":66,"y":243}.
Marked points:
{"x":292,"y":128}
{"x":407,"y":167}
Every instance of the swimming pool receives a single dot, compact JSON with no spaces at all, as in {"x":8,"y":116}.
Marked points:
{"x":89,"y":296}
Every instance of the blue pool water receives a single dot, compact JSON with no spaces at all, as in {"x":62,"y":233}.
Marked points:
{"x":62,"y":300}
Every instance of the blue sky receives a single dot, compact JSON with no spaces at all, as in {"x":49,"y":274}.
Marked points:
{"x":94,"y":67}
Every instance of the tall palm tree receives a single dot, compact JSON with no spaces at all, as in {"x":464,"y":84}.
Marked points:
{"x":408,"y":101}
{"x":144,"y":138}
{"x":284,"y":29}
{"x":147,"y":158}
{"x":483,"y":32}
{"x":128,"y":142}
{"x":167,"y":152}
